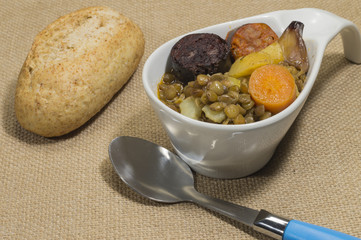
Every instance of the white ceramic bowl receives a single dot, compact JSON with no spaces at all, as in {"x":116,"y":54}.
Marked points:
{"x":233,"y":151}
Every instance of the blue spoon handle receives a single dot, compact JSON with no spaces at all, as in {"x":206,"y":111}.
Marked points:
{"x":297,"y":230}
{"x":281,"y":228}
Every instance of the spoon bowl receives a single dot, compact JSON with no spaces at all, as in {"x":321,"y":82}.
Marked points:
{"x":150,"y":170}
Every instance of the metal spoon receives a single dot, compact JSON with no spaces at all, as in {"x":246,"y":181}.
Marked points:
{"x":162,"y":176}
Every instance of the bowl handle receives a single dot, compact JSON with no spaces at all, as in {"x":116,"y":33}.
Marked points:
{"x":351,"y":40}
{"x":323,"y":26}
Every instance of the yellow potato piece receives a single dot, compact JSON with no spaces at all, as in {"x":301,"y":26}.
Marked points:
{"x":190,"y":109}
{"x":245,"y":66}
{"x":234,"y":81}
{"x":215,"y":116}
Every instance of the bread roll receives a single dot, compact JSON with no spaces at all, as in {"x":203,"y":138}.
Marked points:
{"x":74,"y":67}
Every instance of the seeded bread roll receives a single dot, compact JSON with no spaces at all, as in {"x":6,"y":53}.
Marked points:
{"x":74,"y":67}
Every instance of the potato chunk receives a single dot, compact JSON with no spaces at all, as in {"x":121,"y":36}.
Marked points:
{"x":245,"y":66}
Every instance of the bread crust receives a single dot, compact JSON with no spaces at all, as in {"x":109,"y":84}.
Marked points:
{"x":75,"y":66}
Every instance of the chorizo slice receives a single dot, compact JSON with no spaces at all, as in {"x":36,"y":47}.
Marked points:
{"x":248,"y":38}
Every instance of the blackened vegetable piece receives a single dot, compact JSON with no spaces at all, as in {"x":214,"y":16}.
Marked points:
{"x":293,"y":46}
{"x":200,"y":53}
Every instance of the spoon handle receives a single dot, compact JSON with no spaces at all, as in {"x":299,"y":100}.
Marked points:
{"x":265,"y":222}
{"x":280,"y":228}
{"x":297,"y":230}
{"x":236,"y":212}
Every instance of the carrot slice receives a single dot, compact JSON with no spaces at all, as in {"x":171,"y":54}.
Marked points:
{"x":273,"y":86}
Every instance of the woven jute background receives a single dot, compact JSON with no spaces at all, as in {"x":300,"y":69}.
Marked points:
{"x":66,"y":188}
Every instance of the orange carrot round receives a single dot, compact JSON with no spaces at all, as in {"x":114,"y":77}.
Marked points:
{"x":273,"y":86}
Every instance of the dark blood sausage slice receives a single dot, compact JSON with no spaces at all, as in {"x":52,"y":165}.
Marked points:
{"x":249,"y":38}
{"x":200,"y":53}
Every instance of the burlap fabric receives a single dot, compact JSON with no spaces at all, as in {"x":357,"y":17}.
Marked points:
{"x":66,"y":188}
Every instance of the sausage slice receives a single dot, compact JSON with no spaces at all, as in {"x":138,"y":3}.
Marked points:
{"x":200,"y":53}
{"x":249,"y":38}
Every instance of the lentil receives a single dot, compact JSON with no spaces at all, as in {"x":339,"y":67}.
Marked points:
{"x":221,"y":94}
